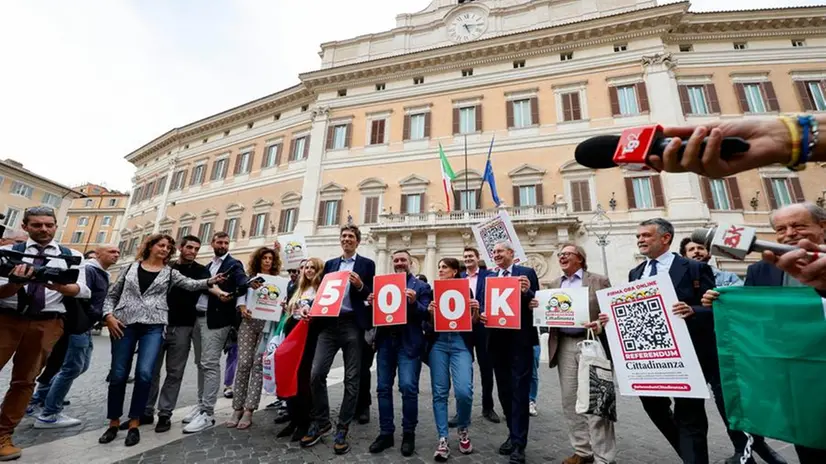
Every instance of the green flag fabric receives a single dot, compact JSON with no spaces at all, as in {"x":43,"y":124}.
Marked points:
{"x":772,"y":348}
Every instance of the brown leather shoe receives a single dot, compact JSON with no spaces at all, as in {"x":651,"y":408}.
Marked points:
{"x":577,"y":459}
{"x":8,"y":452}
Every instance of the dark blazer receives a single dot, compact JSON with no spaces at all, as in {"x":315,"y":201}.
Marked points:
{"x":691,"y":280}
{"x":763,"y":274}
{"x":366,"y":269}
{"x":220,"y":313}
{"x":479,"y":291}
{"x":528,"y":334}
{"x":594,"y":282}
{"x":182,"y":303}
{"x":412,"y":333}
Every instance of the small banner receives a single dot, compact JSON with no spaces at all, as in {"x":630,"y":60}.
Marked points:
{"x":562,"y":307}
{"x":268,"y":301}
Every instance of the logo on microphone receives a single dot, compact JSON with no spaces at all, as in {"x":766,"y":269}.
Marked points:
{"x":634,"y":143}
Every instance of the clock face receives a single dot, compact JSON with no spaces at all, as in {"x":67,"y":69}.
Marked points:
{"x":467,"y":26}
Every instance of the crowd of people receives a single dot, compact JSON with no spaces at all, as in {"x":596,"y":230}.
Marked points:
{"x":163,"y":305}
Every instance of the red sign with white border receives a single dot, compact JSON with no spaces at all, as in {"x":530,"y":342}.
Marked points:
{"x":389,"y":300}
{"x":453,"y":314}
{"x":502,"y":303}
{"x":327,"y":302}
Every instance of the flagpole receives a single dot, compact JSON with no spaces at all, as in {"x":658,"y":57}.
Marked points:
{"x":467,"y":190}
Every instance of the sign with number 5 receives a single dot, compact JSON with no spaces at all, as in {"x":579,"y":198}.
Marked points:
{"x":389,"y":300}
{"x":453,"y":312}
{"x":327,"y":302}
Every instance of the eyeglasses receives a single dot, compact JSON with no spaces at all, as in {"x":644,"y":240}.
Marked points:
{"x":567,"y":254}
{"x":293,"y":271}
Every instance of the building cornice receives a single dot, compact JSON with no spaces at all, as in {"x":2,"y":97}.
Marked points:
{"x":43,"y":183}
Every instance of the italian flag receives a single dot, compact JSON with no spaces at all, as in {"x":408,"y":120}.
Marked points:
{"x":447,"y":177}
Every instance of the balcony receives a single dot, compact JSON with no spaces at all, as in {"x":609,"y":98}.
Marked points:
{"x":555,"y":214}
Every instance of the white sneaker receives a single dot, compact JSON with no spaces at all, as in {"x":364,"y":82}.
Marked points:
{"x":55,"y":421}
{"x":33,"y":411}
{"x":532,"y":409}
{"x":202,"y":422}
{"x":192,"y":414}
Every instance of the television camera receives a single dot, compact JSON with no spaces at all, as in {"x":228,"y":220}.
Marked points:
{"x":44,"y":273}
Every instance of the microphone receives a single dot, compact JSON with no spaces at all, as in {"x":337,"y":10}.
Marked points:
{"x":733,"y":241}
{"x":635,"y":145}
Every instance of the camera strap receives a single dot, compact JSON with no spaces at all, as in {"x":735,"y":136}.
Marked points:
{"x":23,"y":298}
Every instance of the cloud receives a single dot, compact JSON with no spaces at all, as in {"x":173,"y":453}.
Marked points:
{"x":86,"y":82}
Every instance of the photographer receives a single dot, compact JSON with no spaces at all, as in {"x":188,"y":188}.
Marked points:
{"x":31,"y":317}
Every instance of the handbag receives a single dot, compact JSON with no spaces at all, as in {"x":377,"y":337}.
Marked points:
{"x":595,"y":394}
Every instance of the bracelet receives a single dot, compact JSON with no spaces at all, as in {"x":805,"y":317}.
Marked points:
{"x":815,"y":135}
{"x":795,"y":136}
{"x":805,"y":122}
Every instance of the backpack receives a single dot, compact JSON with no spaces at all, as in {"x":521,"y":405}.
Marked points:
{"x":78,"y":311}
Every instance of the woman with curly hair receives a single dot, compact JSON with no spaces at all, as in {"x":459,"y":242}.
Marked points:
{"x":299,"y":306}
{"x":135,"y":312}
{"x":248,"y":375}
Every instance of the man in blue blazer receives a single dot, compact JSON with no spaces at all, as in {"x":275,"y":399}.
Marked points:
{"x":345,"y":333}
{"x":512,"y":355}
{"x":401,"y":347}
{"x":476,"y":279}
{"x":687,"y":426}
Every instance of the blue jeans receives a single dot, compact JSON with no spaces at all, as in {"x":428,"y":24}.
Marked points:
{"x":76,"y":362}
{"x":148,"y":339}
{"x":391,"y":355}
{"x":450,"y":359}
{"x":537,"y":350}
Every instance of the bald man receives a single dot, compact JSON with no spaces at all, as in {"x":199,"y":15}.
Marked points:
{"x":52,"y":391}
{"x":13,"y":236}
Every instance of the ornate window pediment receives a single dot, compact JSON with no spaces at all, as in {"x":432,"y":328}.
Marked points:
{"x":291,"y":200}
{"x":413,"y":184}
{"x":166,"y":221}
{"x":262,"y":206}
{"x":527,"y":174}
{"x":332,"y":191}
{"x":209,"y":213}
{"x":372,"y":186}
{"x":470,"y":178}
{"x":186,"y":217}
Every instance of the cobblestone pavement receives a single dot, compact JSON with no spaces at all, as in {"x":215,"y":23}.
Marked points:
{"x":638,"y":440}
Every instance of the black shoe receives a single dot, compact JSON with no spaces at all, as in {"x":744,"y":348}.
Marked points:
{"x":381,"y":443}
{"x":108,"y":435}
{"x":282,"y":418}
{"x":408,"y":444}
{"x":507,"y":448}
{"x":274,"y":405}
{"x":133,"y":437}
{"x":164,"y":424}
{"x":517,"y":456}
{"x":340,"y":445}
{"x":299,"y":433}
{"x":314,"y":434}
{"x":130,"y":380}
{"x":364,"y":417}
{"x":766,"y":453}
{"x":453,"y":421}
{"x":735,"y":459}
{"x":491,"y":415}
{"x":66,"y":402}
{"x":287,"y":431}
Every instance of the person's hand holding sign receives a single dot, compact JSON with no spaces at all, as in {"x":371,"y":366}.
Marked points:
{"x":411,"y":295}
{"x":598,"y":324}
{"x":356,"y":281}
{"x":431,"y":308}
{"x":709,"y":297}
{"x":474,"y":308}
{"x":524,"y":283}
{"x":683,"y":310}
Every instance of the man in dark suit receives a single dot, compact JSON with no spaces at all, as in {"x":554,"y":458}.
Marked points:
{"x":791,"y":224}
{"x":512,"y":355}
{"x":400,"y":348}
{"x":215,"y":318}
{"x":476,"y":279}
{"x":687,"y":426}
{"x":345,"y":333}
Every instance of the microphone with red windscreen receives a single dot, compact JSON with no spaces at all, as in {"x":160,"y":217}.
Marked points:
{"x":635,"y":145}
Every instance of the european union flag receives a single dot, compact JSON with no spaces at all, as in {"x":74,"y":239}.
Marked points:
{"x":489,"y":178}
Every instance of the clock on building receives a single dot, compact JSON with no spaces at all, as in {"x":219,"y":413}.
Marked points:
{"x":468,"y":25}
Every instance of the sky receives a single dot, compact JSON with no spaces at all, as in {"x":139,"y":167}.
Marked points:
{"x":85,"y":82}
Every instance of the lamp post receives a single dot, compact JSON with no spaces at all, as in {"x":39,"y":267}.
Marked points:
{"x":600,"y":227}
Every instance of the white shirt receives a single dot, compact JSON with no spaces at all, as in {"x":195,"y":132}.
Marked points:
{"x":664,"y":262}
{"x":509,"y":269}
{"x":53,"y":300}
{"x":213,"y":267}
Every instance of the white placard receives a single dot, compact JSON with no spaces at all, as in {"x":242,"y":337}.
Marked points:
{"x":494,"y":230}
{"x":650,"y":346}
{"x":268,"y":301}
{"x":293,"y":250}
{"x":562,"y":307}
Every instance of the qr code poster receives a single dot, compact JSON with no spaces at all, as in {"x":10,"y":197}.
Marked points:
{"x":562,"y":307}
{"x":650,"y":346}
{"x":494,"y":230}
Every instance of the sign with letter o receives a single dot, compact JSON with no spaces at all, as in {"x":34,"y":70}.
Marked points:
{"x":389,"y":300}
{"x":453,"y":312}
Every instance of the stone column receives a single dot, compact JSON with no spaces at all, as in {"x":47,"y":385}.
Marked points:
{"x":430,"y":260}
{"x":682,"y":191}
{"x":381,"y":255}
{"x":172,"y":163}
{"x":312,"y":175}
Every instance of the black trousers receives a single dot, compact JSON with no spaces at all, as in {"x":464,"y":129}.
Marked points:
{"x":299,"y":405}
{"x":365,"y":398}
{"x":512,"y":363}
{"x":55,"y":359}
{"x":810,"y":455}
{"x":480,"y":343}
{"x":686,"y":428}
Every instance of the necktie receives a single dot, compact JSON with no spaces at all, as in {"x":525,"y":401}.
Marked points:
{"x":653,"y":268}
{"x":37,"y":291}
{"x":506,"y":273}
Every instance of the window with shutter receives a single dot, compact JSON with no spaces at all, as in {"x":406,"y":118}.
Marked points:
{"x":580,"y":196}
{"x":522,"y":114}
{"x":571,"y":110}
{"x":467,"y":119}
{"x":416,"y":126}
{"x":812,"y":94}
{"x":377,"y":127}
{"x":371,"y":210}
{"x":299,"y":148}
{"x":627,"y":100}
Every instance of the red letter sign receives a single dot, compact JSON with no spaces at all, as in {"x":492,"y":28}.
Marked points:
{"x":327,"y":301}
{"x":452,"y":299}
{"x":389,"y":300}
{"x":632,"y":150}
{"x":502,"y":300}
